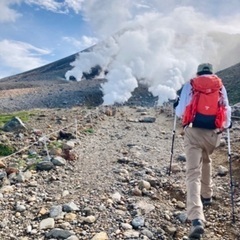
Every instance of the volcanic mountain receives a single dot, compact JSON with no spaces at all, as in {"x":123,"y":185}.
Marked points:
{"x":47,"y":86}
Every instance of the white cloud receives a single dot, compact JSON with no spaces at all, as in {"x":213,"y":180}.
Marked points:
{"x":83,"y":43}
{"x":56,"y":6}
{"x":76,"y":5}
{"x":20,"y":56}
{"x":159,"y":42}
{"x":7,"y":14}
{"x":108,"y":16}
{"x":50,"y":5}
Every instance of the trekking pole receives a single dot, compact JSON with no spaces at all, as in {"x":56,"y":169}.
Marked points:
{"x":231,"y":177}
{"x":173,"y":138}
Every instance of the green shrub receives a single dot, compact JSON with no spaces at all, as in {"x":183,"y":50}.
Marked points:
{"x":6,"y":150}
{"x":89,"y":130}
{"x":24,"y":116}
{"x":55,"y":144}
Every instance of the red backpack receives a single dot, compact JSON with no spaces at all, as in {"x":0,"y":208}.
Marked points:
{"x":206,"y":109}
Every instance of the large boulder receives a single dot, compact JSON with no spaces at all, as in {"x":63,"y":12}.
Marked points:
{"x":14,"y":125}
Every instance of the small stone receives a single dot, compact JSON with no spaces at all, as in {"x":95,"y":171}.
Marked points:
{"x":181,"y":158}
{"x":58,"y":161}
{"x":59,"y":233}
{"x":180,"y":205}
{"x":2,"y":164}
{"x":47,"y":223}
{"x":131,"y":234}
{"x":44,"y":166}
{"x":70,"y":217}
{"x":137,"y":192}
{"x":55,"y":211}
{"x":116,"y":197}
{"x":20,"y":208}
{"x":6,"y":189}
{"x":69,"y":207}
{"x":43,"y":211}
{"x":138,"y":222}
{"x":176,"y":168}
{"x":65,"y":193}
{"x":147,"y":120}
{"x":126,"y":226}
{"x":89,"y":219}
{"x":222,"y":171}
{"x":100,"y":236}
{"x":171,"y":230}
{"x":223,"y":142}
{"x":144,"y":185}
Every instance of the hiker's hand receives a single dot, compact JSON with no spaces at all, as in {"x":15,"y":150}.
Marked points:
{"x":230,"y":126}
{"x":176,"y":102}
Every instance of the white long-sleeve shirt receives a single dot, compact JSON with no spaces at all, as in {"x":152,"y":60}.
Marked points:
{"x":186,"y":96}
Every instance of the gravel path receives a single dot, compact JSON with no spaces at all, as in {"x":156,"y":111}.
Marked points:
{"x":118,"y":187}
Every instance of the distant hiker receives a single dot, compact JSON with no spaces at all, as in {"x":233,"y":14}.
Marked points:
{"x":205,"y":112}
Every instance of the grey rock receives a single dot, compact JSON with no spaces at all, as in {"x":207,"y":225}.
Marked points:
{"x":59,"y":233}
{"x":20,"y":208}
{"x":3,"y":174}
{"x":14,"y":125}
{"x":73,"y":237}
{"x":147,"y":233}
{"x":44,"y":166}
{"x":181,"y":157}
{"x":182,"y":217}
{"x":147,"y":120}
{"x":222,"y":171}
{"x":55,"y":211}
{"x":47,"y":223}
{"x":138,"y":222}
{"x":58,"y":161}
{"x":69,"y":207}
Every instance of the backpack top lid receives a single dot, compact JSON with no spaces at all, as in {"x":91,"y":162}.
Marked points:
{"x":207,"y":83}
{"x":205,"y":68}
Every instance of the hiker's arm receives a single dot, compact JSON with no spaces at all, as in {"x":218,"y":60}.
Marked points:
{"x":229,"y":110}
{"x":184,"y":100}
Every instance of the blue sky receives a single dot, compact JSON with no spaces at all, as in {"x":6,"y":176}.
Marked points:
{"x":36,"y":32}
{"x":33,"y":33}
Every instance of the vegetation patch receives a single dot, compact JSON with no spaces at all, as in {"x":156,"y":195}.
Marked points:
{"x":24,"y":116}
{"x":33,"y":164}
{"x":55,"y":144}
{"x":6,"y":150}
{"x":89,"y":130}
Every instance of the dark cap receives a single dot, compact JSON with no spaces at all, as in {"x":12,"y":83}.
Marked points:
{"x":205,"y":68}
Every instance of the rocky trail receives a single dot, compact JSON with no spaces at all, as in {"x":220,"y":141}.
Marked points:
{"x":101,"y":173}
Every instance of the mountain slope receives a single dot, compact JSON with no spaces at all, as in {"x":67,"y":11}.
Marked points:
{"x":231,"y":80}
{"x":50,"y":79}
{"x":52,"y":71}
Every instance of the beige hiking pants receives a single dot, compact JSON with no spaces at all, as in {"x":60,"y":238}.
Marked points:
{"x":199,"y":144}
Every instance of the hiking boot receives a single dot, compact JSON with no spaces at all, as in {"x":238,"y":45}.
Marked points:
{"x":206,"y":201}
{"x":197,"y":229}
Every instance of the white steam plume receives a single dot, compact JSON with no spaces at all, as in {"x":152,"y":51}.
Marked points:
{"x":161,"y":46}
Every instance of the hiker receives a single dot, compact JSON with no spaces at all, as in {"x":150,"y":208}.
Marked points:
{"x":202,"y":134}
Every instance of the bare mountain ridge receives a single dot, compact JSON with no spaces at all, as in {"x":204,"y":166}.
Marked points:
{"x":54,"y":71}
{"x":231,"y":80}
{"x":56,"y":91}
{"x":51,"y":72}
